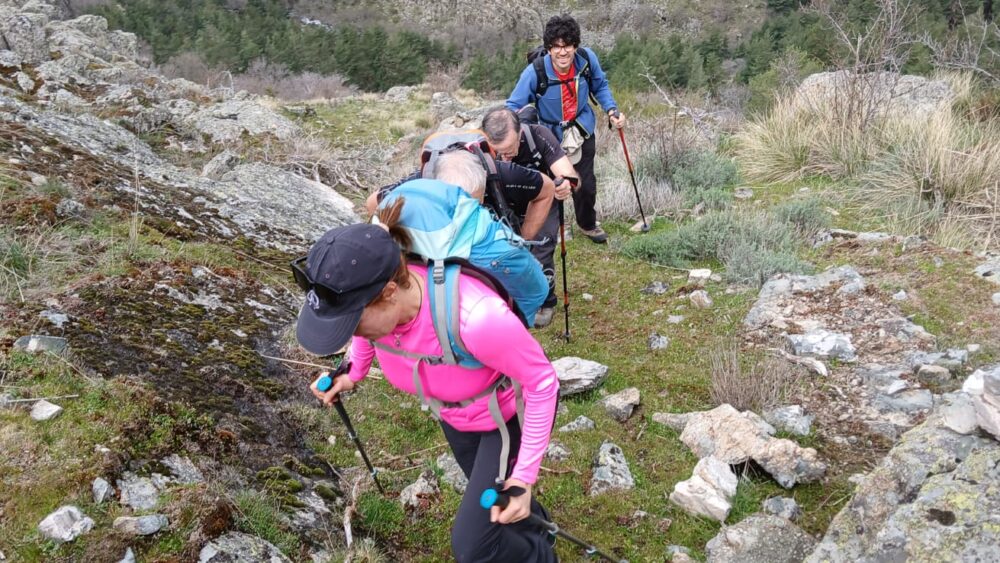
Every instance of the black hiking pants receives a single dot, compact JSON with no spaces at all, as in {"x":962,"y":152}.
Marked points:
{"x":545,"y":253}
{"x":585,"y":197}
{"x":473,"y":538}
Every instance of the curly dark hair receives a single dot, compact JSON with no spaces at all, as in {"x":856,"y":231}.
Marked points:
{"x":563,"y":28}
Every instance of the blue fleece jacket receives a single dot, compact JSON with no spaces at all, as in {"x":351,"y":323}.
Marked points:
{"x":550,"y":104}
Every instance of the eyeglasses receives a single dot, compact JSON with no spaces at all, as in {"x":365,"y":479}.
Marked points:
{"x":563,"y":48}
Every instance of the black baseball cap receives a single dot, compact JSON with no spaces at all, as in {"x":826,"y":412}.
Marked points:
{"x":345,"y":270}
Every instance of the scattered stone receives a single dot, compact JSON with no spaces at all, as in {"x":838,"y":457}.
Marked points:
{"x":989,"y":270}
{"x":220,"y":165}
{"x":44,"y":410}
{"x":972,"y":348}
{"x":453,"y":474}
{"x":101,"y":489}
{"x":611,"y":471}
{"x":129,"y":556}
{"x":958,"y":413}
{"x":708,"y":491}
{"x":933,"y":375}
{"x":657,"y":341}
{"x":675,"y":551}
{"x":621,"y":405}
{"x":675,"y":319}
{"x":743,"y":193}
{"x":183,"y":470}
{"x":699,"y":278}
{"x":655,"y":288}
{"x":237,"y":547}
{"x":820,"y":343}
{"x":791,"y":419}
{"x":55,"y":317}
{"x":700,"y":299}
{"x":556,"y":451}
{"x":5,"y":400}
{"x":677,"y":421}
{"x":996,"y":298}
{"x":39,"y":343}
{"x":587,"y":297}
{"x":577,"y":375}
{"x":904,"y":330}
{"x":907,"y":401}
{"x":913,"y":242}
{"x":900,"y":295}
{"x":876,"y":237}
{"x":760,"y":538}
{"x":736,"y":437}
{"x":580,"y":423}
{"x":140,"y":525}
{"x":562,"y":409}
{"x":414,"y":495}
{"x":138,"y":492}
{"x":987,"y":405}
{"x":65,"y":524}
{"x":782,"y":507}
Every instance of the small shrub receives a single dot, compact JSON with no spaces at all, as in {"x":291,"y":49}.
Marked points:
{"x":807,"y":215}
{"x":260,"y":515}
{"x":756,"y":383}
{"x":751,"y":245}
{"x":701,"y":176}
{"x":380,"y":516}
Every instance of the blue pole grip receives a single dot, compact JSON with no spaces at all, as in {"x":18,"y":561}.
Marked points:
{"x":325,"y":383}
{"x":488,"y":498}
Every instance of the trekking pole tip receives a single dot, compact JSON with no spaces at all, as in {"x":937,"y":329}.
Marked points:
{"x":645,"y":227}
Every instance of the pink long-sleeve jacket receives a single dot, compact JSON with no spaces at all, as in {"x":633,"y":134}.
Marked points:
{"x":493,"y":334}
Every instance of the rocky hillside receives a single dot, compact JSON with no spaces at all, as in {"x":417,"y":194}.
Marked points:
{"x":151,"y":406}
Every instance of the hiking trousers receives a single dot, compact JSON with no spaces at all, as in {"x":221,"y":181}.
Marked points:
{"x":545,"y":253}
{"x":474,"y":539}
{"x":585,"y":197}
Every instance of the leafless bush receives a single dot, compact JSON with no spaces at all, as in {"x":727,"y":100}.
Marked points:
{"x":862,"y":95}
{"x":444,"y":79}
{"x":316,"y":157}
{"x":261,"y":77}
{"x":971,"y":50}
{"x":759,"y":384}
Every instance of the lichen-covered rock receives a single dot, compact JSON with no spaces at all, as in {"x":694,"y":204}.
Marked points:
{"x":770,"y":305}
{"x":782,"y":507}
{"x":140,"y":525}
{"x":577,"y":375}
{"x":789,"y":463}
{"x":760,"y":538}
{"x":820,"y":343}
{"x":899,"y":94}
{"x":453,"y":474}
{"x":611,"y":471}
{"x":557,"y":451}
{"x":140,"y":493}
{"x":230,"y":120}
{"x":24,"y":33}
{"x":701,"y":299}
{"x":183,"y":470}
{"x":929,"y":449}
{"x":621,"y":405}
{"x":416,"y":495}
{"x":237,"y":547}
{"x":989,"y":270}
{"x":220,"y":165}
{"x":101,"y":489}
{"x":579,"y":423}
{"x":789,"y":418}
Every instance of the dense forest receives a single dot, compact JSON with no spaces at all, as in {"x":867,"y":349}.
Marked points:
{"x":233,"y":36}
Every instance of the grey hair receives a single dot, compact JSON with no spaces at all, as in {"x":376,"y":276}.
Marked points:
{"x":498,"y":122}
{"x":463,"y":169}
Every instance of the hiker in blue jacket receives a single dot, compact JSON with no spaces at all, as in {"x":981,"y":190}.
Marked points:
{"x":559,"y":83}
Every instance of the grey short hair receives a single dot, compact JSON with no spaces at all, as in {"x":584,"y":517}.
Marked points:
{"x":463,"y":169}
{"x":499,"y":122}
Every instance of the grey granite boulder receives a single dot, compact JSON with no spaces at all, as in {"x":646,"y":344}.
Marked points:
{"x":621,"y":405}
{"x":577,"y":375}
{"x":237,"y":547}
{"x":65,"y":524}
{"x":579,"y":423}
{"x":611,"y":471}
{"x":140,"y":525}
{"x":760,"y":538}
{"x":782,"y":507}
{"x":139,"y":493}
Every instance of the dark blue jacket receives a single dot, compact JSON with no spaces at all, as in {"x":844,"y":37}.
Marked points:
{"x":550,"y":104}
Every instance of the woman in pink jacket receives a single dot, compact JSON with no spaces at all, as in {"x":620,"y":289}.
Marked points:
{"x":359,"y":284}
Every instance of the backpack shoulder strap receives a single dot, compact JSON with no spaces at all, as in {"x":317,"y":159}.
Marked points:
{"x":536,"y":155}
{"x":541,"y":77}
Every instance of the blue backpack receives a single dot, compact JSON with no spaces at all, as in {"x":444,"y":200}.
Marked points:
{"x":455,"y":235}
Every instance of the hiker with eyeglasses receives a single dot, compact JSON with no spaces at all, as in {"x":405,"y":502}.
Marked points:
{"x":559,"y":80}
{"x":361,"y":289}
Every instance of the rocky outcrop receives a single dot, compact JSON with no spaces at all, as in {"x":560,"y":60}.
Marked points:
{"x":933,"y":497}
{"x":761,"y":538}
{"x":897,"y":94}
{"x":237,"y":547}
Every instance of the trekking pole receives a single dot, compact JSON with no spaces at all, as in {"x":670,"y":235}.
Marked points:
{"x":324,"y":384}
{"x":492,"y":497}
{"x":562,"y":254}
{"x":631,"y":171}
